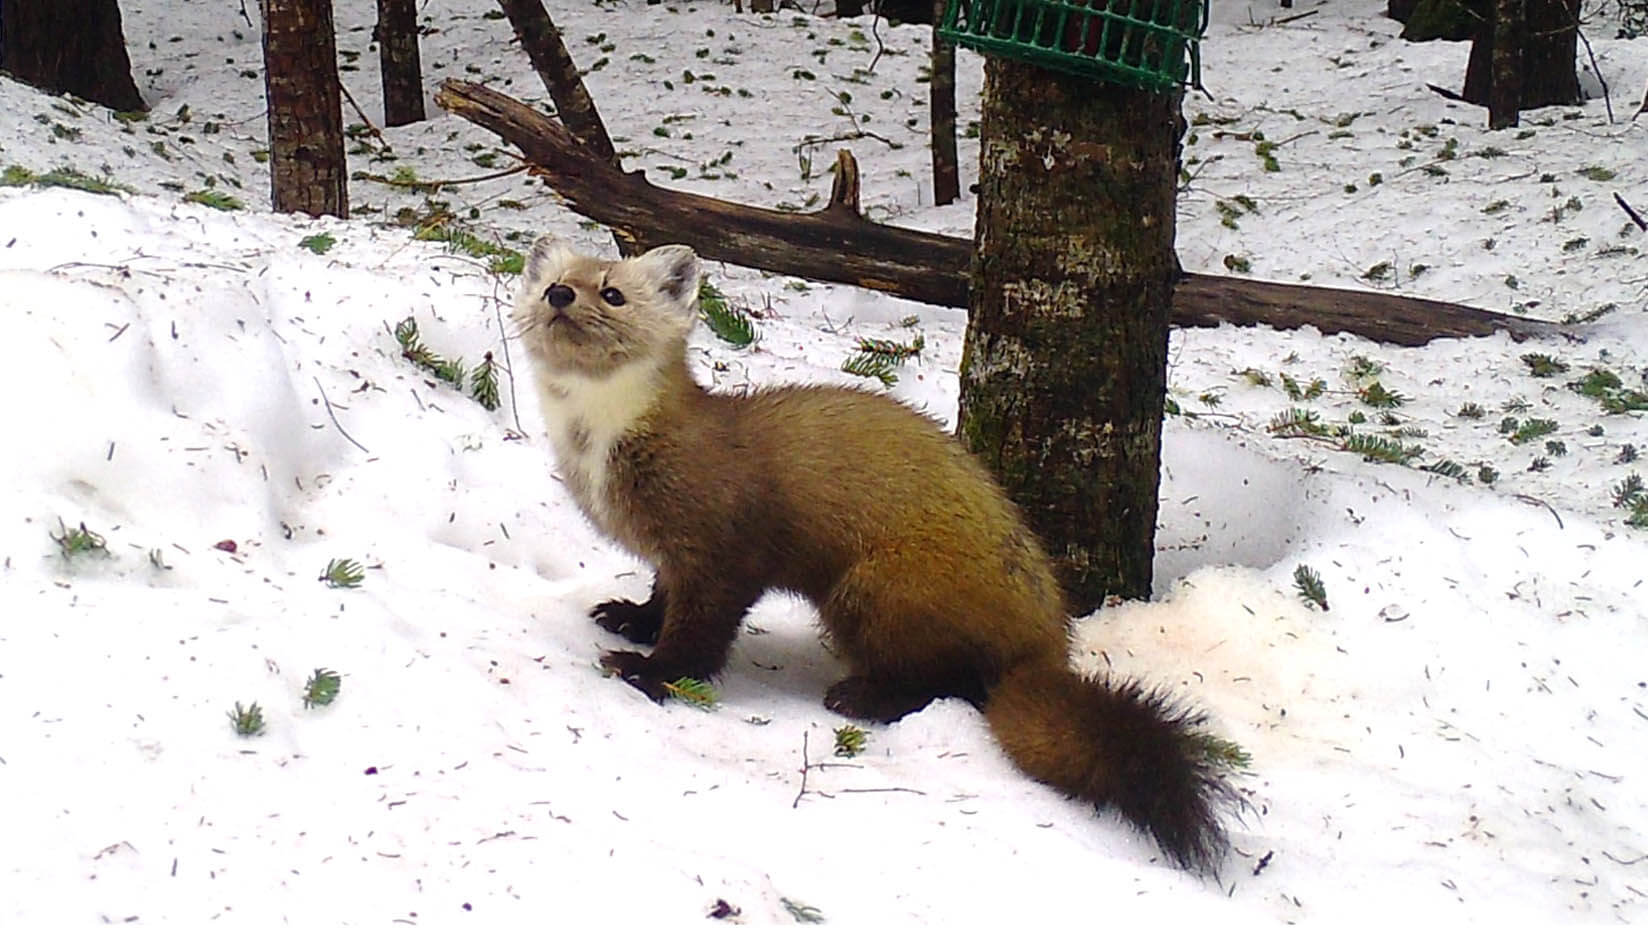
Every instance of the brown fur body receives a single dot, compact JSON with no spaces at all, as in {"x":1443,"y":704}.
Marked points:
{"x":923,"y":572}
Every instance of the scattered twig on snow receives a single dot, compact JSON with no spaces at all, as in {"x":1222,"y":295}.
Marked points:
{"x":1607,"y":100}
{"x":1530,"y":499}
{"x":1636,"y":217}
{"x":334,"y":417}
{"x":1297,"y":16}
{"x":362,"y":114}
{"x":805,"y":767}
{"x":436,"y":185}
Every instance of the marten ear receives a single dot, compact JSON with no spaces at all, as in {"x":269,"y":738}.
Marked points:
{"x":549,"y":255}
{"x":672,"y":270}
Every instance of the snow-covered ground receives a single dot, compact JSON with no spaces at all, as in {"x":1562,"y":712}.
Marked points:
{"x":1459,"y":738}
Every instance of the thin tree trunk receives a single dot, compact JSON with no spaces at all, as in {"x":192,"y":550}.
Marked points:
{"x":69,"y":47}
{"x":1064,"y":369}
{"x":398,"y":60}
{"x":1550,"y":42}
{"x":541,"y":40}
{"x":941,"y":90}
{"x":1505,"y":93}
{"x":306,"y":167}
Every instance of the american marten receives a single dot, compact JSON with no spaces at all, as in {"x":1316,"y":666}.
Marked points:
{"x":923,"y":572}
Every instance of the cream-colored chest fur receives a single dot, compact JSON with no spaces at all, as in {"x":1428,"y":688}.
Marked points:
{"x":586,"y":417}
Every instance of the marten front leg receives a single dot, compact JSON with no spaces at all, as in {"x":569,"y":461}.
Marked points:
{"x":638,"y":623}
{"x":693,"y":642}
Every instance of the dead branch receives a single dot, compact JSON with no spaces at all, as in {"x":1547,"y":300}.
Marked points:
{"x":836,"y":243}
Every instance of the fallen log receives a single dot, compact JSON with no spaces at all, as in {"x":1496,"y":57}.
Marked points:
{"x":836,"y":243}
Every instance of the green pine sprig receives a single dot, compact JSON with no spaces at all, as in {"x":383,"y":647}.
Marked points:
{"x":1309,"y":585}
{"x":483,"y":383}
{"x":1606,"y":388}
{"x":319,"y":243}
{"x":412,"y":348}
{"x":1376,"y":395}
{"x":1541,"y":365}
{"x":880,"y":358}
{"x":1362,"y":367}
{"x":1380,"y":449}
{"x":1530,"y":429}
{"x":450,"y":370}
{"x":343,"y":573}
{"x":247,"y":721}
{"x":1448,"y":468}
{"x":850,"y":741}
{"x":732,"y":325}
{"x":869,"y":365}
{"x":1316,"y":388}
{"x":700,"y":694}
{"x":1220,"y":752}
{"x":1297,"y":422}
{"x":892,"y":349}
{"x":322,"y":688}
{"x":1630,"y":495}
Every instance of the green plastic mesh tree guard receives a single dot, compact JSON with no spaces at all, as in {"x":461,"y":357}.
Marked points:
{"x":1148,"y":44}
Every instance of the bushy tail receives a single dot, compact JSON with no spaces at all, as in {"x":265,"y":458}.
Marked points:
{"x":1117,"y":744}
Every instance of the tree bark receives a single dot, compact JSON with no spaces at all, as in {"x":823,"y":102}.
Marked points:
{"x":1550,"y":42}
{"x":306,"y":167}
{"x":541,"y":40}
{"x":941,"y":91}
{"x":1505,"y":91}
{"x":836,"y":244}
{"x":398,"y":60}
{"x":69,"y":47}
{"x":1064,"y":369}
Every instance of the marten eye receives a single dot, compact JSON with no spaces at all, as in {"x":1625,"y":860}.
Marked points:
{"x":613,"y":296}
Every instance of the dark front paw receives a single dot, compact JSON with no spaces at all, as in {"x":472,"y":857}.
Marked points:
{"x":638,"y":623}
{"x":638,"y":671}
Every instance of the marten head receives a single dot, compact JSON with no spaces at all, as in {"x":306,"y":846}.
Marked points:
{"x":586,"y":316}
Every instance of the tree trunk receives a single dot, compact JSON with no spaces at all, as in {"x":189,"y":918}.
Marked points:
{"x":1505,"y":92}
{"x":306,"y":168}
{"x":398,"y":60}
{"x":69,"y":47}
{"x":1453,"y":20}
{"x":1550,"y":42}
{"x":1400,"y":10}
{"x":1064,"y":369}
{"x":941,"y":90}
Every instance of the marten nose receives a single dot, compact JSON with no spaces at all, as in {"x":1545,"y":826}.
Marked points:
{"x":559,"y":296}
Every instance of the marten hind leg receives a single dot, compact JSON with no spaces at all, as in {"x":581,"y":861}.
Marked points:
{"x":901,"y":655}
